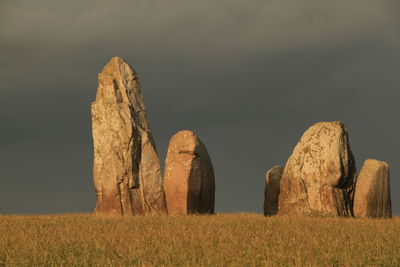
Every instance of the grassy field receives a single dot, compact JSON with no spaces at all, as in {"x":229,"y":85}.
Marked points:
{"x":220,"y":240}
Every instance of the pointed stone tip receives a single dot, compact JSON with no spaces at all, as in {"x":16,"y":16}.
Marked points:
{"x":117,"y":60}
{"x":117,"y":80}
{"x":114,"y":63}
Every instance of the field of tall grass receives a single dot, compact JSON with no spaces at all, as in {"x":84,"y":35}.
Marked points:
{"x":220,"y":240}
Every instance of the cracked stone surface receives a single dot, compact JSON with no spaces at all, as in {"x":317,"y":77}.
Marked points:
{"x":318,"y":178}
{"x":189,"y":181}
{"x":372,"y":195}
{"x":272,"y":189}
{"x":126,"y":170}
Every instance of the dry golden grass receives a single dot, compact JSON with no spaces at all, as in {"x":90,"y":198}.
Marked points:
{"x":220,"y":240}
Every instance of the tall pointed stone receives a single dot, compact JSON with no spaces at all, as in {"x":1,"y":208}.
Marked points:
{"x":189,"y":181}
{"x":126,"y":169}
{"x":318,"y":178}
{"x":272,"y":189}
{"x":372,"y":195}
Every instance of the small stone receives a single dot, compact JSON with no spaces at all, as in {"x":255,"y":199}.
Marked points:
{"x":271,"y":192}
{"x":189,"y":181}
{"x":372,"y":194}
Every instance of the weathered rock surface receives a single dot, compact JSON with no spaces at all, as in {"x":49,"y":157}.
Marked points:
{"x":318,"y":178}
{"x":372,"y":194}
{"x":126,"y":169}
{"x":189,"y":181}
{"x":271,"y":192}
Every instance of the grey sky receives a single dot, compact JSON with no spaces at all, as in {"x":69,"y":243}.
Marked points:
{"x":249,"y":77}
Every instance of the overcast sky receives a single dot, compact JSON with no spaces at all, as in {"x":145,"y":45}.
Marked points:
{"x":249,"y":77}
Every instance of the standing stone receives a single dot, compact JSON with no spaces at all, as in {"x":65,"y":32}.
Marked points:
{"x":189,"y":181}
{"x":318,"y":178}
{"x":372,"y":194}
{"x":126,"y":169}
{"x":271,"y":192}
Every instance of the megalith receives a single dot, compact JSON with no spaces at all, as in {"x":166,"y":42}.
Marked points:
{"x":126,"y":170}
{"x":318,"y":178}
{"x":189,"y":181}
{"x":272,"y":189}
{"x":372,"y":193}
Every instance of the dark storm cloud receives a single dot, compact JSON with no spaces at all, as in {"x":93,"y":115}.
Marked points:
{"x":248,"y":77}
